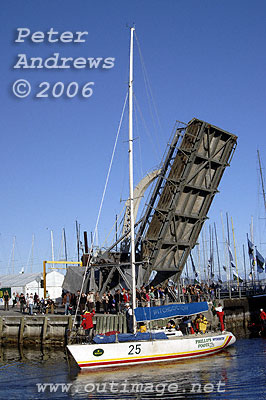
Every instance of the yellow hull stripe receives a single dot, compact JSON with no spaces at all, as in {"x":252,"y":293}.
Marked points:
{"x":154,"y":355}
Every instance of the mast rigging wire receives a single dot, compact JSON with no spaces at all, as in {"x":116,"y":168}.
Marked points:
{"x":100,"y":208}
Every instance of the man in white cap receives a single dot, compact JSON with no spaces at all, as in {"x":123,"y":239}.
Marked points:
{"x":129,"y":317}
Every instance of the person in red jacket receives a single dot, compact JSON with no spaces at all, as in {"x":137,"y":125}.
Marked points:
{"x":263,"y":319}
{"x":220,"y":315}
{"x":87,"y":323}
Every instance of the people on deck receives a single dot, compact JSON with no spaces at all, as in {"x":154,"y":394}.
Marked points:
{"x":171,"y":324}
{"x":142,"y":327}
{"x":129,"y":318}
{"x":263,"y":319}
{"x":87,"y":323}
{"x":220,"y":315}
{"x":202,"y":323}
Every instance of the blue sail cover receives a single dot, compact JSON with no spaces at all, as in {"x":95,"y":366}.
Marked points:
{"x":129,"y":337}
{"x":169,"y":311}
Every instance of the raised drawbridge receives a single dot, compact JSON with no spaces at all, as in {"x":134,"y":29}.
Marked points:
{"x":184,"y":188}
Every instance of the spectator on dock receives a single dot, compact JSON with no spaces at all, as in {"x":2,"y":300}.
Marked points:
{"x":151,"y":293}
{"x":73,"y":303}
{"x":138,"y":298}
{"x":30,"y":304}
{"x":111,"y":304}
{"x":6,"y":300}
{"x":14,"y":300}
{"x":126,"y":296}
{"x":90,"y":301}
{"x":97,"y":301}
{"x":82,"y":303}
{"x":50,"y":305}
{"x":118,"y":301}
{"x":66,"y":302}
{"x":105,"y":303}
{"x":22,"y":302}
{"x":36,"y":300}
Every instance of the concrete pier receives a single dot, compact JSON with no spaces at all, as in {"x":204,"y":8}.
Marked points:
{"x":52,"y":330}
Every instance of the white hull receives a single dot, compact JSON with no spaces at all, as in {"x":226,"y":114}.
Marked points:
{"x":130,"y":353}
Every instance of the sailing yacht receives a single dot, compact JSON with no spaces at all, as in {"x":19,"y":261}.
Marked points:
{"x":154,"y":346}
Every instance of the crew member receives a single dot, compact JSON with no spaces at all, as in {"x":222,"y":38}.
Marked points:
{"x":87,"y":323}
{"x":129,"y":318}
{"x":142,"y":327}
{"x":220,"y":315}
{"x":170,"y":324}
{"x":263,"y":319}
{"x":202,"y":323}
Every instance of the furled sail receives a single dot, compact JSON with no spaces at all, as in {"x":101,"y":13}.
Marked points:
{"x":169,"y":311}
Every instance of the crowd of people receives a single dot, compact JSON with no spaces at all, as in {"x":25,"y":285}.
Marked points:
{"x":29,"y":303}
{"x":113,"y":302}
{"x":198,"y":292}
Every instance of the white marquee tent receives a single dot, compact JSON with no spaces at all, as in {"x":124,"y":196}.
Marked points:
{"x":31,"y":283}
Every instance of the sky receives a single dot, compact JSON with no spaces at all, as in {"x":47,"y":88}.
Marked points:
{"x":202,"y":59}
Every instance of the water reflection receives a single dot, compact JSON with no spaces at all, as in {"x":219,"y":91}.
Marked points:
{"x":179,"y":378}
{"x":227,"y":375}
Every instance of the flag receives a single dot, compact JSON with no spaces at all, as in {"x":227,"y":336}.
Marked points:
{"x":225,"y":268}
{"x":193,"y":266}
{"x":251,"y":252}
{"x":260,"y":262}
{"x":231,"y":258}
{"x":236,"y":276}
{"x":210,"y":265}
{"x":152,"y":276}
{"x":171,"y":283}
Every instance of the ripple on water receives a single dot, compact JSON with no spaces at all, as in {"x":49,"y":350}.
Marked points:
{"x":236,"y":373}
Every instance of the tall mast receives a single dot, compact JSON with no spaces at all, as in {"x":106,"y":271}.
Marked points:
{"x":52,"y":245}
{"x":31,"y":256}
{"x":217,"y":249}
{"x":131,"y":186}
{"x":235,"y":250}
{"x":65,"y":242}
{"x":13,"y":255}
{"x":262,"y":181}
{"x":78,"y":237}
{"x":225,"y":258}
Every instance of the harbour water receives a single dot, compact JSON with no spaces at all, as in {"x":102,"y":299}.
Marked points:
{"x":236,"y":373}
